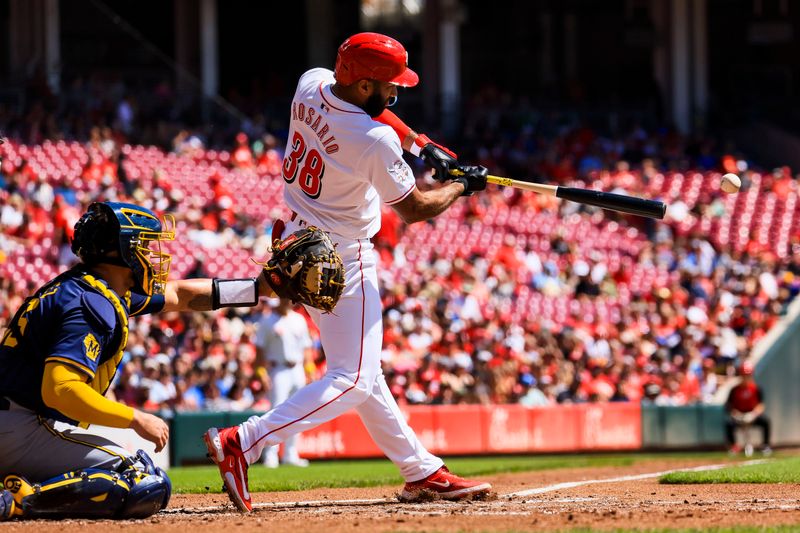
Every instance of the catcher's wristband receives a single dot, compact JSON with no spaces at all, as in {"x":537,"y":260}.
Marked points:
{"x":234,"y":292}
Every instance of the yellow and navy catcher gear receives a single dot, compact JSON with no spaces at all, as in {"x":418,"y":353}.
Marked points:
{"x":7,"y":505}
{"x":76,"y":320}
{"x":126,"y":235}
{"x":138,"y":490}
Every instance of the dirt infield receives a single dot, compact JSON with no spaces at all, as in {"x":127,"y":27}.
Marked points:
{"x":638,"y":503}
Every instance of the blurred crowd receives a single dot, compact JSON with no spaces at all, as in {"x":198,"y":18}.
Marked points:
{"x":151,"y":112}
{"x":451,"y":331}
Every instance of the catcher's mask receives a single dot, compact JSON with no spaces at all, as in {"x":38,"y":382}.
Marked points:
{"x":126,"y":235}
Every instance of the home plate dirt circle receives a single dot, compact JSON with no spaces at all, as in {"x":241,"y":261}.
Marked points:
{"x":600,"y":498}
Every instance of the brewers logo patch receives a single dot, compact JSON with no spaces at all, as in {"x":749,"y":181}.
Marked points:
{"x":13,"y":484}
{"x":91,"y":347}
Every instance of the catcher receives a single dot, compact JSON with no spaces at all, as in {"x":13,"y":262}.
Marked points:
{"x":61,"y":350}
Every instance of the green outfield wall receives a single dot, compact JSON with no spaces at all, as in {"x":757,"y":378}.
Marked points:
{"x":778,"y":374}
{"x":684,"y":427}
{"x":187,"y":429}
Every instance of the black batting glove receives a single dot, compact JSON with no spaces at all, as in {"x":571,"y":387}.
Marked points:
{"x":439,"y":159}
{"x":473,"y":178}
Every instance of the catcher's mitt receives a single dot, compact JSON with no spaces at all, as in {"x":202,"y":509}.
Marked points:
{"x":306,"y":268}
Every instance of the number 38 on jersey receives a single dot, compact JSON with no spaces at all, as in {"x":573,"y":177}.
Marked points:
{"x":306,"y":166}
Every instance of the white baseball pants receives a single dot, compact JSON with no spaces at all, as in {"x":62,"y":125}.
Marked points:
{"x":286,"y":380}
{"x":352,"y":337}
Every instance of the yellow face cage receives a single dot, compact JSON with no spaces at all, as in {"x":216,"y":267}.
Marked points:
{"x":154,"y":260}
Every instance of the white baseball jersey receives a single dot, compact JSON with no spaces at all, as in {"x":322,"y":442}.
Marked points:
{"x":283,"y":338}
{"x":340,"y":163}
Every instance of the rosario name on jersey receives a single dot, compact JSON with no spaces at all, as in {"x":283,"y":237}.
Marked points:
{"x":340,"y":164}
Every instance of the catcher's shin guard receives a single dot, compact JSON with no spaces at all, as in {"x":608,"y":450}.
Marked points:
{"x":135,"y":492}
{"x":90,"y":493}
{"x":150,"y":489}
{"x":7,"y":505}
{"x":17,"y":488}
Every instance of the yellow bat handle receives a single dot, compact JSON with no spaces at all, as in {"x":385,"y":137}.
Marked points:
{"x":499,"y":180}
{"x":539,"y":188}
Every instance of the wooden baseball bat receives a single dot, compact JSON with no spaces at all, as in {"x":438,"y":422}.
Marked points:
{"x":606,"y":200}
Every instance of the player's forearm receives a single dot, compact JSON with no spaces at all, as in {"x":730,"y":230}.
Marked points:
{"x":202,"y":295}
{"x":188,"y":295}
{"x":434,"y":202}
{"x":64,"y":390}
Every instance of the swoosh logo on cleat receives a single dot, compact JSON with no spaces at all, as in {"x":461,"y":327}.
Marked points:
{"x":244,"y":484}
{"x":233,"y":494}
{"x":440,"y":484}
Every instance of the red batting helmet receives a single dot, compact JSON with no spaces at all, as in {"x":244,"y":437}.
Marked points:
{"x":376,"y":57}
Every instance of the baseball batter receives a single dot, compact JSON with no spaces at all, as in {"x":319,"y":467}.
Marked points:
{"x":344,"y":157}
{"x":59,"y":355}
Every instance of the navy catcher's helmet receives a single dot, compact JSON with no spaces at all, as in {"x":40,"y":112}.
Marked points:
{"x":126,"y":235}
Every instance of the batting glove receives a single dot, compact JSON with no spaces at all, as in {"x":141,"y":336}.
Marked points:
{"x":436,"y":156}
{"x":472,"y":177}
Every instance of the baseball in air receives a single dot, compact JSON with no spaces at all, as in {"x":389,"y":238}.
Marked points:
{"x":730,"y":183}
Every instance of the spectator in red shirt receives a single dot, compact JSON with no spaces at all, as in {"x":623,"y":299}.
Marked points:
{"x":242,"y":157}
{"x":37,"y":219}
{"x":93,"y":171}
{"x":745,"y":408}
{"x":220,"y":209}
{"x":389,"y":234}
{"x":784,"y":184}
{"x":217,"y":187}
{"x":268,"y":155}
{"x":507,"y":254}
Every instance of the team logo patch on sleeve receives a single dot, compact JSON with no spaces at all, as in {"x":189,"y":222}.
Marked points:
{"x":400,"y":172}
{"x":91,"y":347}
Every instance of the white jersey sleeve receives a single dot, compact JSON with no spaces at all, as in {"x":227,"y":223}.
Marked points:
{"x":383,"y":165}
{"x":340,"y":164}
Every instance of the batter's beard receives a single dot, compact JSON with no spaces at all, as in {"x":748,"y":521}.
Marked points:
{"x":374,"y":105}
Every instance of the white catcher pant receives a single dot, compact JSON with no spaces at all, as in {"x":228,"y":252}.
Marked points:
{"x":352,"y":339}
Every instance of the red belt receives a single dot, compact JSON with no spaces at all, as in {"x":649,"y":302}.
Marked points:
{"x":300,"y":221}
{"x":279,"y":226}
